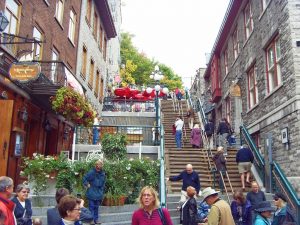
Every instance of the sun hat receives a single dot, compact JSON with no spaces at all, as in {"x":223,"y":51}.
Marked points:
{"x":264,"y":206}
{"x":208,"y":192}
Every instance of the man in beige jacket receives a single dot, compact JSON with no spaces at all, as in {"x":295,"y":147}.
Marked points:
{"x":220,"y":212}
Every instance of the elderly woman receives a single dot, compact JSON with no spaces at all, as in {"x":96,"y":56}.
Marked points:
{"x":189,"y":214}
{"x":220,"y":162}
{"x":241,"y":209}
{"x":264,"y":213}
{"x":23,"y":211}
{"x":69,"y":210}
{"x":196,"y":140}
{"x":149,"y":211}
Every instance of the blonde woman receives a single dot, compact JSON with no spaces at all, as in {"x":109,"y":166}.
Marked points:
{"x":149,"y":212}
{"x":281,"y":215}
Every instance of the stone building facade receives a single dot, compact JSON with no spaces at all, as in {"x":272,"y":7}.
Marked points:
{"x":96,"y":30}
{"x":254,"y":75}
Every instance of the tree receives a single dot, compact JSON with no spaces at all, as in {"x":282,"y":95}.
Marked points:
{"x":126,"y":73}
{"x":145,"y":66}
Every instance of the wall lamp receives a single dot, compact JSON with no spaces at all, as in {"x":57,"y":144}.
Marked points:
{"x":3,"y":21}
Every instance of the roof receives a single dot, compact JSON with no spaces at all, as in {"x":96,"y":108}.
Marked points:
{"x":228,"y":21}
{"x":106,"y":18}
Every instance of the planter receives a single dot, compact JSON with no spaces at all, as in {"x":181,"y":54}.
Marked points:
{"x":114,"y":201}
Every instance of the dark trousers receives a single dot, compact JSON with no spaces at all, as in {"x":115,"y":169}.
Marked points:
{"x":94,"y":208}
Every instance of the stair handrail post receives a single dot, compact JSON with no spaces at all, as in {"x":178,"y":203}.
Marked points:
{"x":162,"y":191}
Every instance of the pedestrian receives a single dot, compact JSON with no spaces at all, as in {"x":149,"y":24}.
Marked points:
{"x":264,"y":213}
{"x":178,"y":134}
{"x":23,"y":210}
{"x":196,"y":139}
{"x":209,"y":130}
{"x":94,"y":181}
{"x":6,"y":205}
{"x":203,"y":210}
{"x":96,"y":129}
{"x":223,"y":132}
{"x":178,"y":93}
{"x":189,"y":177}
{"x":149,"y":211}
{"x":53,"y":216}
{"x":188,"y":211}
{"x":220,"y":162}
{"x":281,"y":215}
{"x":69,"y":210}
{"x":255,"y":196}
{"x":190,"y":115}
{"x":220,"y":213}
{"x":244,"y":158}
{"x":37,"y":221}
{"x":241,"y":209}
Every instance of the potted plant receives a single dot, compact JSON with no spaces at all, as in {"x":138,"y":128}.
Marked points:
{"x":73,"y":106}
{"x":114,"y":146}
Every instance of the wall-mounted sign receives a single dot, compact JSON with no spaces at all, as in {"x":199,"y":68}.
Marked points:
{"x":24,"y":71}
{"x":235,"y":90}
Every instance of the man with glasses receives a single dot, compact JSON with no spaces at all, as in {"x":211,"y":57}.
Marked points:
{"x":189,"y":177}
{"x":6,"y":205}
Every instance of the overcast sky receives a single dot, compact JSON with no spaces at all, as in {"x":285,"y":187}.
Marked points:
{"x":177,"y":33}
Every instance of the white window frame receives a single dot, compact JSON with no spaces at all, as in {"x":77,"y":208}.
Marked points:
{"x":248,"y":20}
{"x":37,"y":47}
{"x":273,"y":53}
{"x":252,"y":87}
{"x":72,"y":26}
{"x":59,"y":11}
{"x":12,"y":12}
{"x":226,"y":60}
{"x":54,"y":57}
{"x":236,"y":45}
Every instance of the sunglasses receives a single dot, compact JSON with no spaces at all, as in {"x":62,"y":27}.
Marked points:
{"x":275,"y":199}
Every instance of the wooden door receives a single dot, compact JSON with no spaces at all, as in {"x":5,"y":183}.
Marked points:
{"x":6,"y":111}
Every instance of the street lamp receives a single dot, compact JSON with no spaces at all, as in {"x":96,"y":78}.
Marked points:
{"x":157,"y":76}
{"x":3,"y":21}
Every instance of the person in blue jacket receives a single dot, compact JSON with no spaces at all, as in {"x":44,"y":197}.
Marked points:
{"x":264,"y":213}
{"x":241,"y":209}
{"x":94,"y":181}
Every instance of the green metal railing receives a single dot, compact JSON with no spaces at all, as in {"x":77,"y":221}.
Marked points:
{"x":281,"y":184}
{"x":259,"y":161}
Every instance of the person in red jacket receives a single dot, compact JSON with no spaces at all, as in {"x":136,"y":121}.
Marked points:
{"x":6,"y":205}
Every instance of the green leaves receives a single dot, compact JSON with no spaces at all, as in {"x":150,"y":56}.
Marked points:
{"x":114,"y":146}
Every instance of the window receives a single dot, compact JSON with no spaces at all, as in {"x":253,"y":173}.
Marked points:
{"x":12,"y":12}
{"x":95,"y":29}
{"x":264,"y":4}
{"x":236,"y":46}
{"x":84,"y":61}
{"x":273,"y":65}
{"x":248,"y":18}
{"x":252,"y":87}
{"x":101,"y":38}
{"x":54,"y":57}
{"x":59,"y":13}
{"x":227,"y":108}
{"x":226,"y":60}
{"x":101,"y":89}
{"x":89,"y":11}
{"x":96,"y":93}
{"x":72,"y":25}
{"x":104,"y":49}
{"x":91,"y":77}
{"x":37,"y":47}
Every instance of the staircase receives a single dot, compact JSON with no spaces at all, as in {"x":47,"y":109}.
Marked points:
{"x":176,"y":160}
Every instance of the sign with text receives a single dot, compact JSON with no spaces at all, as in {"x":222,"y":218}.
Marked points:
{"x":235,"y":91}
{"x":24,"y":71}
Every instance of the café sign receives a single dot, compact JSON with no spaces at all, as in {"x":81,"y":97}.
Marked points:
{"x":21,"y":71}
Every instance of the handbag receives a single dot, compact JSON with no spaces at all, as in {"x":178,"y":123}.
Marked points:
{"x":162,"y":216}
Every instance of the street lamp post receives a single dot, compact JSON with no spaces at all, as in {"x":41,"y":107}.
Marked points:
{"x":157,"y":76}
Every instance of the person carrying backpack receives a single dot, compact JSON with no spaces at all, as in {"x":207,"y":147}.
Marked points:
{"x":209,"y":130}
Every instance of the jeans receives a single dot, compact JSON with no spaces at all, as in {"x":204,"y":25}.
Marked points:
{"x":178,"y":135}
{"x":94,"y":208}
{"x":95,"y":135}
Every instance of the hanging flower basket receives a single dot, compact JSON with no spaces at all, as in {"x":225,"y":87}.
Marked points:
{"x":73,"y":106}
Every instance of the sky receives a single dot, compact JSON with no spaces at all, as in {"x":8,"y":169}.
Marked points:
{"x":176,"y":33}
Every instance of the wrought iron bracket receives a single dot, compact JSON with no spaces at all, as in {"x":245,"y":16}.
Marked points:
{"x":10,"y":39}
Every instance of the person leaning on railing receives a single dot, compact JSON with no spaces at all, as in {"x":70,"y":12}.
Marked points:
{"x":281,"y":215}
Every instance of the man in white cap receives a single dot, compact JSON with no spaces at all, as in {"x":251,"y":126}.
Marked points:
{"x":220,"y":212}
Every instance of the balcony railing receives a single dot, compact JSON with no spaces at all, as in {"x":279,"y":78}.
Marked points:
{"x":127,"y":105}
{"x":135,"y":134}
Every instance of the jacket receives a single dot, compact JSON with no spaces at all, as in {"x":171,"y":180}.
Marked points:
{"x":7,"y":207}
{"x":196,"y":137}
{"x":246,"y":216}
{"x":259,"y":220}
{"x":96,"y":179}
{"x":279,"y":217}
{"x":223,"y":128}
{"x":209,"y":129}
{"x":220,"y":161}
{"x":62,"y":222}
{"x":188,"y":214}
{"x":19,"y":210}
{"x":220,"y":214}
{"x":244,"y":155}
{"x":188,"y":180}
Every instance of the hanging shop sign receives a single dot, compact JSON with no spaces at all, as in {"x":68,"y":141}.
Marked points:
{"x":235,"y":91}
{"x":24,"y":71}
